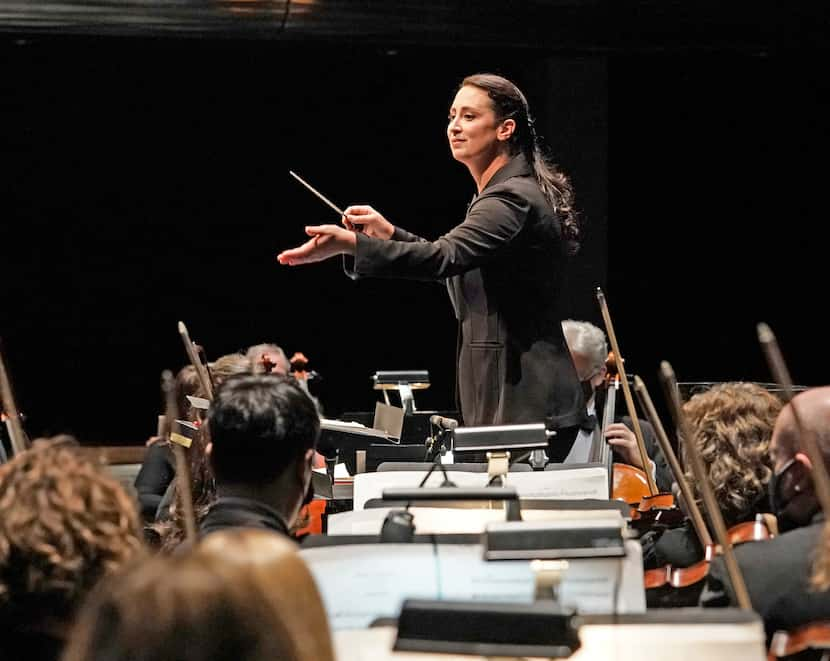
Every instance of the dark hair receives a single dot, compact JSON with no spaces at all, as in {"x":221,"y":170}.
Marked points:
{"x":260,"y":425}
{"x":510,"y":103}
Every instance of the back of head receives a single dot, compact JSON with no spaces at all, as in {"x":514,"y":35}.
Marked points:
{"x":270,"y":352}
{"x":813,"y":417}
{"x":187,"y":383}
{"x":732,"y":425}
{"x":259,"y":426}
{"x":231,"y":364}
{"x":241,"y":594}
{"x":65,"y":524}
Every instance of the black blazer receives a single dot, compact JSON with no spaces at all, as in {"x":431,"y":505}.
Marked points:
{"x":777,"y":577}
{"x":504,"y":267}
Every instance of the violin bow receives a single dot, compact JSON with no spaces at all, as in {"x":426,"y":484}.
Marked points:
{"x":781,"y":374}
{"x":17,"y":435}
{"x":178,"y":442}
{"x":201,"y":370}
{"x":629,"y":400}
{"x":668,"y":451}
{"x":715,"y":516}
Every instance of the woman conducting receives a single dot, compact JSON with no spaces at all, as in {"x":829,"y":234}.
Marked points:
{"x":503,"y":265}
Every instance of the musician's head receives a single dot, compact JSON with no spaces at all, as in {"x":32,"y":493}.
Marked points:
{"x":589,"y":350}
{"x":231,"y":364}
{"x":732,"y":426}
{"x":187,"y":383}
{"x":65,"y":523}
{"x":240,"y":594}
{"x":263,"y":430}
{"x":268,"y":358}
{"x":791,"y":491}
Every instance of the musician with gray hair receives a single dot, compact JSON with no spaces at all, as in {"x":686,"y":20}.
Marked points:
{"x":589,"y":351}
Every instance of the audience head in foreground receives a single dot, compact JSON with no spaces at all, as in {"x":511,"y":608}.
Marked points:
{"x":65,"y":524}
{"x":239,"y":595}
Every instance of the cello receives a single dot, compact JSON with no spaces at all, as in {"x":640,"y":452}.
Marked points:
{"x":638,"y":489}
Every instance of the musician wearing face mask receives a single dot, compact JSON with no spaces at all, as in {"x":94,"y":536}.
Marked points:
{"x":589,"y":351}
{"x":262,"y":433}
{"x":778,"y":572}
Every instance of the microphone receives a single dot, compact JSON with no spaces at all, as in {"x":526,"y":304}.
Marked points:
{"x":443,"y":423}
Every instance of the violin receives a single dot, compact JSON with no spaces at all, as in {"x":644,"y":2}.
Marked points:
{"x":311,"y":514}
{"x":762,"y":528}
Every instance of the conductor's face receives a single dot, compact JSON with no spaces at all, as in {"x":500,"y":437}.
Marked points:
{"x":473,"y":130}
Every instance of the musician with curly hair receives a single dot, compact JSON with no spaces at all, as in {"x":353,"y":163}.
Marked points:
{"x":732,"y":426}
{"x":65,"y":524}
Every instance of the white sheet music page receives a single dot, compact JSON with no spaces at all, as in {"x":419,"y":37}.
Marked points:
{"x":360,"y":583}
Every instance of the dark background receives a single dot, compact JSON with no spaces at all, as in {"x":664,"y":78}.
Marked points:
{"x":146,"y":182}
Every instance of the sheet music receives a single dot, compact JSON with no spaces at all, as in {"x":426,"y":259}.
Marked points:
{"x":351,"y":428}
{"x":435,"y":520}
{"x":566,"y":484}
{"x":360,"y":583}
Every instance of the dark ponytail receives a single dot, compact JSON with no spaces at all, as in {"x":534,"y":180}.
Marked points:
{"x":510,"y":103}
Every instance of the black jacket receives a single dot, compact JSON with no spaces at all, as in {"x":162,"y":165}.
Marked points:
{"x":504,"y":267}
{"x":777,"y":574}
{"x":233,"y":512}
{"x":153,"y":479}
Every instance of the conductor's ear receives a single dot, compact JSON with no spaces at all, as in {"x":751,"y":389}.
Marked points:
{"x":506,"y":129}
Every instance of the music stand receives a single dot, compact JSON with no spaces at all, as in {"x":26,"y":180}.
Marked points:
{"x":404,"y":381}
{"x":498,"y":441}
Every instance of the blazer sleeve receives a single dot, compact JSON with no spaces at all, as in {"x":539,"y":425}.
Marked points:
{"x":491,"y":224}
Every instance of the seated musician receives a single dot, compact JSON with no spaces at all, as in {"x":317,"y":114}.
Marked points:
{"x":268,"y":358}
{"x":732,"y":425}
{"x":159,"y":468}
{"x":589,"y":351}
{"x":66,"y":523}
{"x":778,"y":572}
{"x":169,"y":529}
{"x":262,"y":433}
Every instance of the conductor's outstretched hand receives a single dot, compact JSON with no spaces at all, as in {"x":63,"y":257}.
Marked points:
{"x":365,"y":219}
{"x":326,"y":241}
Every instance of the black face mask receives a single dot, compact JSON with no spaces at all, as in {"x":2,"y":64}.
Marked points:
{"x":791,"y":496}
{"x":309,"y":493}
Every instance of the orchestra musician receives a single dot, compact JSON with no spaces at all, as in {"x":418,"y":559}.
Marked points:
{"x":778,"y":572}
{"x":732,"y":425}
{"x":240,"y":594}
{"x":268,"y":357}
{"x":589,"y":350}
{"x":504,"y":263}
{"x":262,"y":432}
{"x":66,"y":524}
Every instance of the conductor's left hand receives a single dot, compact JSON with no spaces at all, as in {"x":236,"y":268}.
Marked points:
{"x":326,"y":241}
